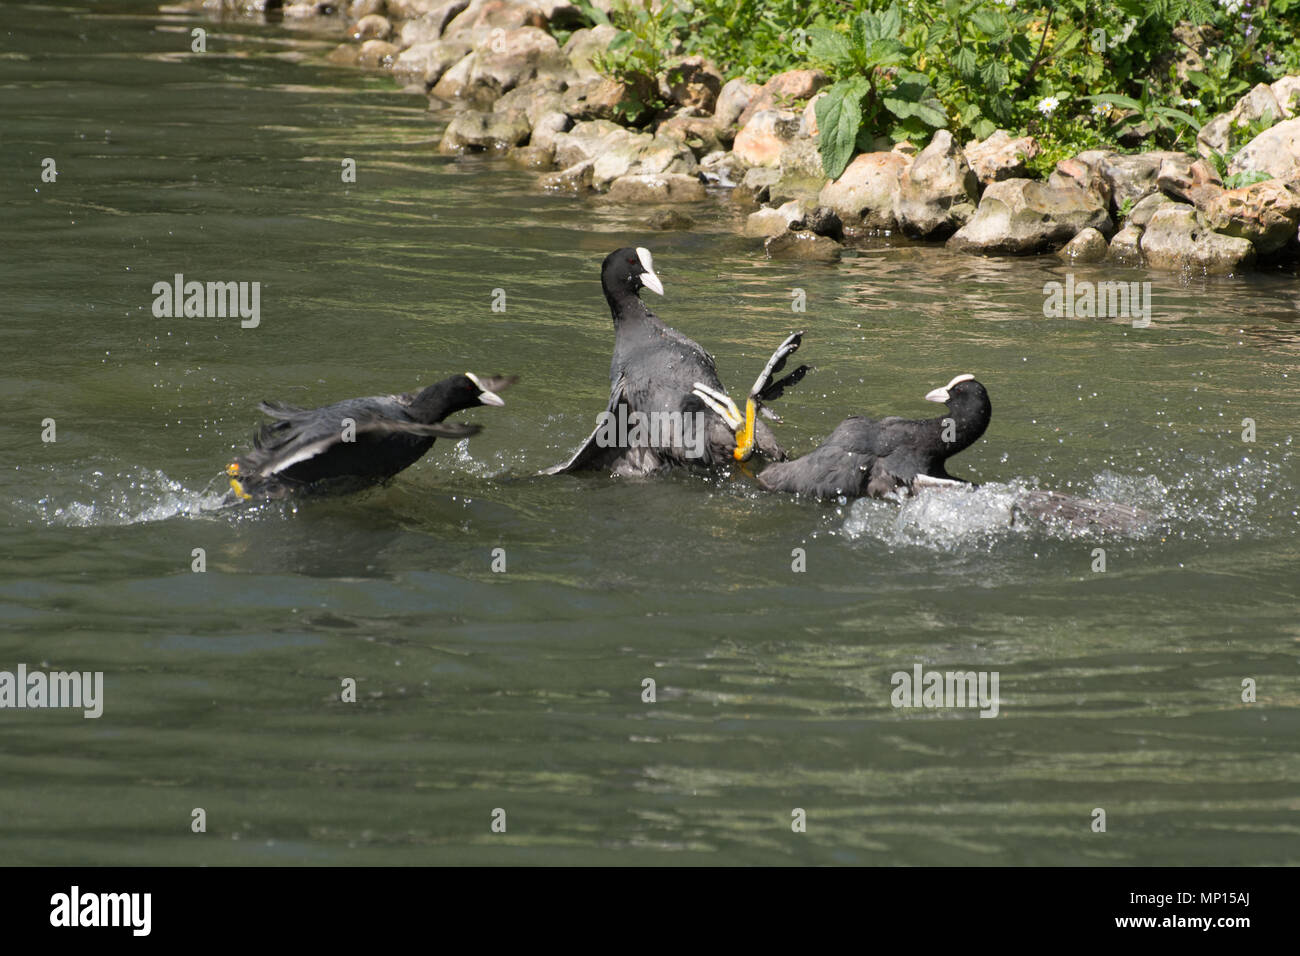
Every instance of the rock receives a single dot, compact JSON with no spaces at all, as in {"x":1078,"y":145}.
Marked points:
{"x":1196,"y":42}
{"x":481,"y":17}
{"x":1266,"y":213}
{"x":429,"y":26}
{"x":767,"y":222}
{"x":1020,"y":216}
{"x":505,"y":60}
{"x":735,"y":96}
{"x":864,"y":195}
{"x":1000,"y":157}
{"x":1141,"y":213}
{"x":765,"y":136}
{"x":1131,"y":177}
{"x":431,"y":60}
{"x":783,"y":91}
{"x":1275,"y":151}
{"x":758,"y":182}
{"x":720,"y":168}
{"x":1083,"y":172}
{"x":372,"y":27}
{"x":530,"y":157}
{"x":583,"y":46}
{"x":669,"y":219}
{"x":601,"y":98}
{"x":410,"y":9}
{"x":937,"y":193}
{"x":1287,"y":93}
{"x":802,"y":177}
{"x":1216,"y":135}
{"x":643,"y":188}
{"x":824,"y":222}
{"x":1088,"y":246}
{"x":694,"y":127}
{"x":453,"y":84}
{"x":375,"y":54}
{"x":1125,"y":248}
{"x":1187,"y":180}
{"x":1174,"y":240}
{"x":574,"y":179}
{"x":692,"y":81}
{"x":345,"y":54}
{"x":547,"y":127}
{"x":534,"y":99}
{"x":364,"y":8}
{"x":804,"y":246}
{"x":472,"y":130}
{"x":616,"y":152}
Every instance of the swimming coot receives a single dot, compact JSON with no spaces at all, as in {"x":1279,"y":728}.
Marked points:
{"x":667,"y":405}
{"x":866,"y":458}
{"x":355,"y":443}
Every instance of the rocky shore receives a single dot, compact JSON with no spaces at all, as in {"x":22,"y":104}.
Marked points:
{"x":511,"y":87}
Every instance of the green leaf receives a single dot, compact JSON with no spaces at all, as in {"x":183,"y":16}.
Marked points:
{"x":839,"y":117}
{"x":1247,"y":177}
{"x":964,"y":63}
{"x":989,"y":23}
{"x":831,"y":46}
{"x":1114,"y":99}
{"x":1170,"y":113}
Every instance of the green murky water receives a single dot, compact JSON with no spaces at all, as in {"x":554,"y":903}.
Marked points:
{"x":523,"y":690}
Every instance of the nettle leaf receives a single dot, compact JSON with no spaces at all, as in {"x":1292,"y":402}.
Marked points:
{"x":858,"y":32}
{"x":839,"y":117}
{"x":983,"y":128}
{"x":912,"y":97}
{"x":965,"y":64}
{"x":994,"y":75}
{"x":831,"y":45}
{"x":621,"y":39}
{"x":989,"y":23}
{"x":1170,"y":113}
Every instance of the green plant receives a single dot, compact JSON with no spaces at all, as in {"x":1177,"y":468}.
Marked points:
{"x":637,"y":55}
{"x":1144,"y":111}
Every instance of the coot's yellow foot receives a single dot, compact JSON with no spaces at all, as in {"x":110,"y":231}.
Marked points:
{"x":232,"y":470}
{"x":745,"y":435}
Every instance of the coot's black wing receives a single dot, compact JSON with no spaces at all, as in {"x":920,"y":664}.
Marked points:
{"x":591,"y":454}
{"x":300,"y":435}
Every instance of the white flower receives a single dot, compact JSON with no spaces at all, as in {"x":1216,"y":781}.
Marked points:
{"x":1193,"y":103}
{"x":1101,"y":109}
{"x":1047,"y":105}
{"x":1232,"y":6}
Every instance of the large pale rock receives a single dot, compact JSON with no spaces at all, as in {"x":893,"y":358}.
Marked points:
{"x":937,"y":193}
{"x":1176,"y":241}
{"x":1126,"y":247}
{"x":1088,"y":246}
{"x":656,"y":188}
{"x":1001,"y":157}
{"x":431,"y":60}
{"x":616,"y":152}
{"x":534,"y":99}
{"x":1275,"y":151}
{"x":801,"y":174}
{"x":481,"y":17}
{"x":765,"y":136}
{"x":454,"y":82}
{"x":574,"y":179}
{"x":547,"y":127}
{"x":371,"y":27}
{"x":1146,"y":208}
{"x":429,"y":26}
{"x":804,"y":245}
{"x":1133,"y":176}
{"x":694,"y":127}
{"x":768,"y":221}
{"x":1267,"y":213}
{"x":735,"y":96}
{"x":1287,"y":92}
{"x":1083,"y":172}
{"x":1215,"y":136}
{"x":375,"y":54}
{"x":505,"y":60}
{"x":784,"y":90}
{"x":1196,"y":182}
{"x":583,"y":45}
{"x":1021,"y":216}
{"x":472,"y":130}
{"x":863,"y":196}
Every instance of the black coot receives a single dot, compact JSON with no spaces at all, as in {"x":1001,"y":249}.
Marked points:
{"x":666,"y":381}
{"x":866,"y":458}
{"x":355,"y":443}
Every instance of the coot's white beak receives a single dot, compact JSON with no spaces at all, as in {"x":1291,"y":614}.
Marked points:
{"x":648,"y":278}
{"x":485,"y":395}
{"x":938,"y":395}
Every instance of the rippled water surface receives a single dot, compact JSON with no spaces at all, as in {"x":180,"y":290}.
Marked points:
{"x":522,"y":690}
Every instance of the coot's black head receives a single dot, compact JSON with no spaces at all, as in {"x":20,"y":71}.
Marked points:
{"x":627,"y":272}
{"x":969,"y":404}
{"x":459,"y":392}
